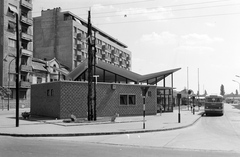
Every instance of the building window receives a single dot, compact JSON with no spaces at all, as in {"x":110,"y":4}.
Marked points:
{"x":39,"y":80}
{"x":127,"y":99}
{"x":75,"y":41}
{"x":132,"y":99}
{"x":48,"y":92}
{"x":24,"y":60}
{"x":11,"y":42}
{"x":75,"y":64}
{"x":52,"y":92}
{"x":24,"y":45}
{"x":75,"y":29}
{"x":149,"y":93}
{"x":11,"y":27}
{"x":22,"y":94}
{"x":123,"y":99}
{"x":54,"y":66}
{"x":12,"y":10}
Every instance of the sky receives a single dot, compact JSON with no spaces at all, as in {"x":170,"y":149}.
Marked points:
{"x":202,"y":37}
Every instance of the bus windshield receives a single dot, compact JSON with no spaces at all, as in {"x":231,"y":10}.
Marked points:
{"x":213,"y":99}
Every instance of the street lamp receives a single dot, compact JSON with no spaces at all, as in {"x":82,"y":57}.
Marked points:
{"x":14,"y":57}
{"x":237,"y":82}
{"x":17,"y":63}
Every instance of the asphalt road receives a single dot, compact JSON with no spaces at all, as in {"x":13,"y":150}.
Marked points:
{"x":29,"y":147}
{"x":210,"y":136}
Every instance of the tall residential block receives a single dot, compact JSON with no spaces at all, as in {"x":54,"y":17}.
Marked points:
{"x":9,"y":10}
{"x":63,"y":35}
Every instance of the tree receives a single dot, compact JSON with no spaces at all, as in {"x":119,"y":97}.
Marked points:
{"x":205,"y":92}
{"x":222,"y":91}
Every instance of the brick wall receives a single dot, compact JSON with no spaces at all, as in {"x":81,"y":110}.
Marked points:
{"x":45,"y":99}
{"x":71,"y":98}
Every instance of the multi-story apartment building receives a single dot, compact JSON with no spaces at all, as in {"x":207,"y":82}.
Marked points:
{"x":9,"y":11}
{"x":63,"y":35}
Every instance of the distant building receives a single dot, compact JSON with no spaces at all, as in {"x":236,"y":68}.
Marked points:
{"x":48,"y":71}
{"x":63,"y":35}
{"x":9,"y":9}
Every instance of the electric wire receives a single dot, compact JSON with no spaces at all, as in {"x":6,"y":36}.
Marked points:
{"x":108,"y":5}
{"x":167,"y":6}
{"x":165,"y":19}
{"x":160,"y":11}
{"x":173,"y":18}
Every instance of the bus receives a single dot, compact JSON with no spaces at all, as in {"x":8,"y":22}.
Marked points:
{"x":214,"y":104}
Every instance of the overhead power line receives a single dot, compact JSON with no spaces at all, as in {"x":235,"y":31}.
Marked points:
{"x":86,"y":7}
{"x":185,"y":9}
{"x":168,"y":6}
{"x":152,"y":20}
{"x":173,"y":18}
{"x":113,"y":4}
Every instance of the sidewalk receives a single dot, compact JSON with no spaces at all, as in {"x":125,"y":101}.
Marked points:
{"x":42,"y":127}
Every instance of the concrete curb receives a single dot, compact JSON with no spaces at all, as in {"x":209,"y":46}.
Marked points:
{"x":99,"y":133}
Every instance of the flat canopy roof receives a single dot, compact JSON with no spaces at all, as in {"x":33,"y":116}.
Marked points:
{"x":111,"y":71}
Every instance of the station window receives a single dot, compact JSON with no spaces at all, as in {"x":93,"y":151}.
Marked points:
{"x":132,"y":99}
{"x":123,"y":99}
{"x":126,"y":99}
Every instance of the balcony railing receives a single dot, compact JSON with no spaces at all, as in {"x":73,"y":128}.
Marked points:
{"x":27,"y":21}
{"x":27,"y":4}
{"x":26,"y":68}
{"x":105,"y":48}
{"x":25,"y":84}
{"x":98,"y":45}
{"x":27,"y":37}
{"x":26,"y":52}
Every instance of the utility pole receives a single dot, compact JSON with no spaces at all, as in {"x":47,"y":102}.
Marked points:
{"x":90,"y":70}
{"x":95,"y":80}
{"x":17,"y":70}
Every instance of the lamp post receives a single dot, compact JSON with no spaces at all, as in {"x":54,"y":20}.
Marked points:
{"x":9,"y":65}
{"x":96,"y":76}
{"x":17,"y":70}
{"x":17,"y":62}
{"x":237,"y":82}
{"x":178,"y":101}
{"x":9,"y":81}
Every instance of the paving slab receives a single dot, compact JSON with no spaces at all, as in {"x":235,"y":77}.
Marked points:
{"x":47,"y":127}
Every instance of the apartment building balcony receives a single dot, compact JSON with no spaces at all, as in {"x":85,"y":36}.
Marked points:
{"x":79,"y":58}
{"x":105,"y":48}
{"x":25,"y":84}
{"x":81,"y":36}
{"x":27,"y":4}
{"x":128,"y":64}
{"x":98,"y":45}
{"x":112,"y":59}
{"x":26,"y":20}
{"x":113,"y":52}
{"x":27,"y":36}
{"x":123,"y":56}
{"x":26,"y":52}
{"x":12,"y":84}
{"x":81,"y":47}
{"x":128,"y":58}
{"x":26,"y":68}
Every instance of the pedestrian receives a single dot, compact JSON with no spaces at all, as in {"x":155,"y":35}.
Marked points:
{"x":161,"y":109}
